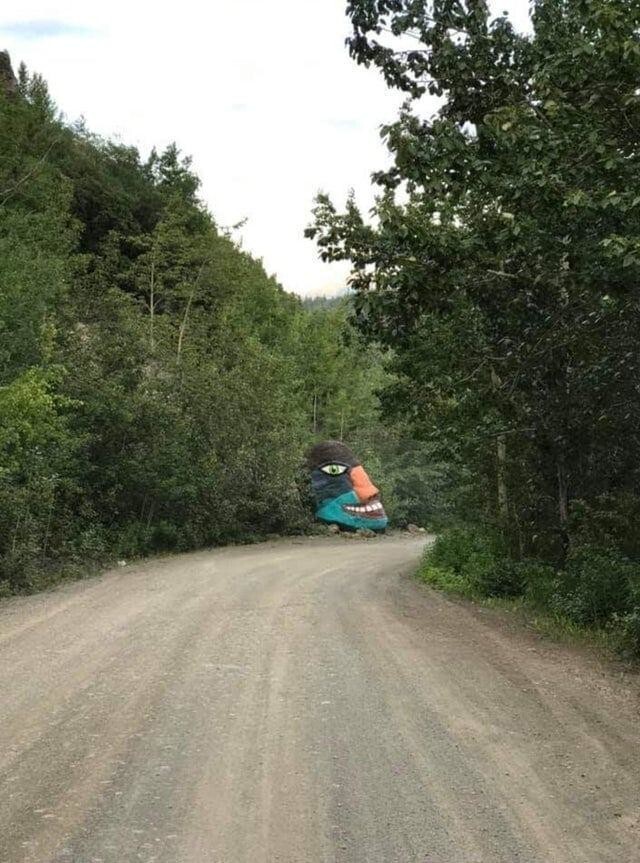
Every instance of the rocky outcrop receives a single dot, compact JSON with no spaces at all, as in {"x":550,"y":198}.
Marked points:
{"x":8,"y":82}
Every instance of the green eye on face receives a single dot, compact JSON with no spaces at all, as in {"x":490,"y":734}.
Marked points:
{"x":334,"y":469}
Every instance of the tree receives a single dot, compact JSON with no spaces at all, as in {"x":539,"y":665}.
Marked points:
{"x":157,"y":387}
{"x":502,"y":266}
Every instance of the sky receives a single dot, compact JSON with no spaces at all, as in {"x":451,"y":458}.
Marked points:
{"x":262,"y":95}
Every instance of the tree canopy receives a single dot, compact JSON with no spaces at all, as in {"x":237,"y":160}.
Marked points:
{"x":157,"y":387}
{"x":502,"y":262}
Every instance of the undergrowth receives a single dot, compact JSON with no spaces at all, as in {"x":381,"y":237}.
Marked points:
{"x":594,"y":598}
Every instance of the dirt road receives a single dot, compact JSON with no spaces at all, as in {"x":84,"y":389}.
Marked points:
{"x":303,"y":701}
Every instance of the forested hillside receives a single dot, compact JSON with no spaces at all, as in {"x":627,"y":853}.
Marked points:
{"x":502,"y":269}
{"x":157,"y":387}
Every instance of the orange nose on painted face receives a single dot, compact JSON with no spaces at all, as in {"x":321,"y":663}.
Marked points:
{"x":362,"y":485}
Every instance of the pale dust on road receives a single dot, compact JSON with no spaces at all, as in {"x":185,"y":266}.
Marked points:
{"x":303,"y":701}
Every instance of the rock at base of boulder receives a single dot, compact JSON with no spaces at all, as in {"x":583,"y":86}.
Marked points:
{"x":364,"y":533}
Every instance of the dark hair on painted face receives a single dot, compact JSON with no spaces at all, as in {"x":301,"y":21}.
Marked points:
{"x":331,"y":451}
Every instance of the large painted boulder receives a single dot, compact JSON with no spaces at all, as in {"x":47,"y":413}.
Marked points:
{"x":344,"y":494}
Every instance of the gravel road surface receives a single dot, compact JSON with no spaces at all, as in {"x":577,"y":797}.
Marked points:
{"x":304,"y":701}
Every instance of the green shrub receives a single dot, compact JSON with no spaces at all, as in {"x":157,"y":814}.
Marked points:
{"x":504,"y":578}
{"x":92,"y":542}
{"x":19,"y":569}
{"x":540,"y":583}
{"x":609,"y":521}
{"x":445,"y":579}
{"x":599,"y":587}
{"x":455,"y":548}
{"x":597,"y":584}
{"x":476,"y":559}
{"x":628,"y":626}
{"x":133,"y":540}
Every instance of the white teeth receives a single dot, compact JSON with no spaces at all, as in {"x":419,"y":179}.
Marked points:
{"x":365,"y":508}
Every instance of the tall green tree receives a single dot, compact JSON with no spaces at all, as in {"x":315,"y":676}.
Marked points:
{"x":502,"y":266}
{"x":158,"y":389}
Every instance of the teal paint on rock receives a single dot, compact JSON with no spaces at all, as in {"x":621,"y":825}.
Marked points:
{"x":332,"y":512}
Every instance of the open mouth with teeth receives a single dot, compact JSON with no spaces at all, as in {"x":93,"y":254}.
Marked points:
{"x":374,"y":509}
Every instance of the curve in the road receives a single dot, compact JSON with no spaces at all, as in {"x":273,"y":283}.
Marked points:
{"x":303,"y":700}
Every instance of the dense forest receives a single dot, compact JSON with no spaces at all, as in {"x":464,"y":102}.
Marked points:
{"x":501,"y":268}
{"x":157,"y":388}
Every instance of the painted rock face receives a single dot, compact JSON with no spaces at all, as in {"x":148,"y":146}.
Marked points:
{"x":343,"y":492}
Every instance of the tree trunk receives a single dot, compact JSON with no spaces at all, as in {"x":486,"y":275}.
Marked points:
{"x":14,"y":542}
{"x":152,"y":302}
{"x":501,"y":459}
{"x":183,"y":324}
{"x":185,"y":318}
{"x":45,"y":544}
{"x":563,"y":502}
{"x":503,"y":496}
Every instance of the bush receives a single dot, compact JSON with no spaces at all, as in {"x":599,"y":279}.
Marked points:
{"x":91,"y":543}
{"x":540,"y":583}
{"x":597,"y":584}
{"x":505,"y":578}
{"x":477,"y":559}
{"x":610,"y":521}
{"x":599,"y":587}
{"x":19,"y":570}
{"x":36,"y":454}
{"x":629,"y":627}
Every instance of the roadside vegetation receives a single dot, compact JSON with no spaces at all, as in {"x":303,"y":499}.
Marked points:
{"x":500,"y":272}
{"x":157,"y":387}
{"x":593,"y":598}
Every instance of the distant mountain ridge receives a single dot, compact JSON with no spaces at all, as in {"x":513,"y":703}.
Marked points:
{"x":320,"y":302}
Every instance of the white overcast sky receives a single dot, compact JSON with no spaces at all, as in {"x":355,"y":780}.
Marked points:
{"x":261,"y":93}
